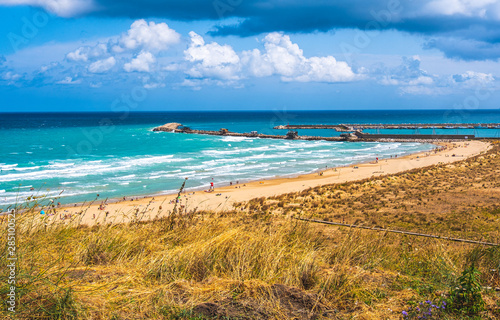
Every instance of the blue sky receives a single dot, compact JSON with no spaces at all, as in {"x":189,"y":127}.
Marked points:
{"x":102,"y":55}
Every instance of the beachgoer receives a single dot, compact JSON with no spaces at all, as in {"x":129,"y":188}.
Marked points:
{"x":230,"y":183}
{"x":211,"y":186}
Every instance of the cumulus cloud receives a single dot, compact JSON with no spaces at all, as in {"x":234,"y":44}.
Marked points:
{"x":102,"y":66}
{"x":285,"y":58}
{"x":138,"y":45}
{"x":472,"y":79}
{"x":281,"y":57}
{"x":86,"y":53}
{"x":410,"y":78}
{"x":78,"y":55}
{"x":212,"y":59}
{"x":148,"y":36}
{"x":141,"y":35}
{"x":62,"y":8}
{"x":408,"y":73}
{"x":141,"y":63}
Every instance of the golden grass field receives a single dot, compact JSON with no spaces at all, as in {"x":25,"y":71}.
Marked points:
{"x":258,"y":262}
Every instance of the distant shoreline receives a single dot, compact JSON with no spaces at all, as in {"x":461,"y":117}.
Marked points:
{"x":223,"y":198}
{"x":438,"y":145}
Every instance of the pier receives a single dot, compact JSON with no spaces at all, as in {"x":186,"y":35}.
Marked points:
{"x":362,"y":126}
{"x":293,"y":135}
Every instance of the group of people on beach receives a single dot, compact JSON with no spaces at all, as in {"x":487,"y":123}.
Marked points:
{"x":212,"y":187}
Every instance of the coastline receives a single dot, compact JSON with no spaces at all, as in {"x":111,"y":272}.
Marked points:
{"x":223,"y":198}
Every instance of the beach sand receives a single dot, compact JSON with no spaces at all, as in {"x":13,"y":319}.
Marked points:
{"x":223,"y":198}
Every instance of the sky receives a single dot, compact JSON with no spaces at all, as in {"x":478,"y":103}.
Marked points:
{"x":152,"y":55}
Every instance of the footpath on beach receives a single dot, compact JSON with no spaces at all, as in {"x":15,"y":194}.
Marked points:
{"x":223,"y":198}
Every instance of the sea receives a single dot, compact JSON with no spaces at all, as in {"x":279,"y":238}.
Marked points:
{"x":73,"y":157}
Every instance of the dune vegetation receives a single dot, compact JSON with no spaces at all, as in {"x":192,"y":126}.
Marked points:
{"x":258,"y":262}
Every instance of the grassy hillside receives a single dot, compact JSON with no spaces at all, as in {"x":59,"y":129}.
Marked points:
{"x":257,"y":262}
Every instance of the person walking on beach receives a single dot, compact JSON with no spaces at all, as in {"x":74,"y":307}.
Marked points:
{"x":211,"y":186}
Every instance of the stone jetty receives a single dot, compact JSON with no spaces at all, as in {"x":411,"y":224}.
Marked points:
{"x":293,"y":135}
{"x":363,"y":126}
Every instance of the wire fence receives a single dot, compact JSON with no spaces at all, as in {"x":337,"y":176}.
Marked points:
{"x":400,"y":232}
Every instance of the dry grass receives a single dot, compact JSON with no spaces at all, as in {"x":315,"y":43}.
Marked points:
{"x":257,"y":263}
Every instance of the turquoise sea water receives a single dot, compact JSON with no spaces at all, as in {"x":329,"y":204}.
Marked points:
{"x":76,"y":156}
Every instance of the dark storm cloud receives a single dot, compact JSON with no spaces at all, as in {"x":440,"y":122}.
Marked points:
{"x":301,"y":16}
{"x":444,"y":21}
{"x":465,"y":49}
{"x":261,"y":16}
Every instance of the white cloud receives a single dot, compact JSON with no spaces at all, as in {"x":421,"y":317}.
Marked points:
{"x":285,"y":58}
{"x":258,"y":65}
{"x":78,"y":55}
{"x":83,"y":54}
{"x":102,"y":66}
{"x":194,"y":84}
{"x":408,"y":73}
{"x":48,"y":67}
{"x":471,"y":8}
{"x":154,"y":85}
{"x":172,"y":67}
{"x":326,"y":69}
{"x":281,"y":57}
{"x":142,"y":63}
{"x":148,"y":36}
{"x":62,"y":8}
{"x":211,"y":60}
{"x":69,"y":80}
{"x":411,"y":79}
{"x":425,"y":80}
{"x":11,"y":78}
{"x":472,"y":79}
{"x":423,"y":90}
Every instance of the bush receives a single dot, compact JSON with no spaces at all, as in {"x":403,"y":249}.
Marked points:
{"x":466,"y":297}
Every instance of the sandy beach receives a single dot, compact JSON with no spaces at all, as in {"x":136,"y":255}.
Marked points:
{"x":223,"y":198}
